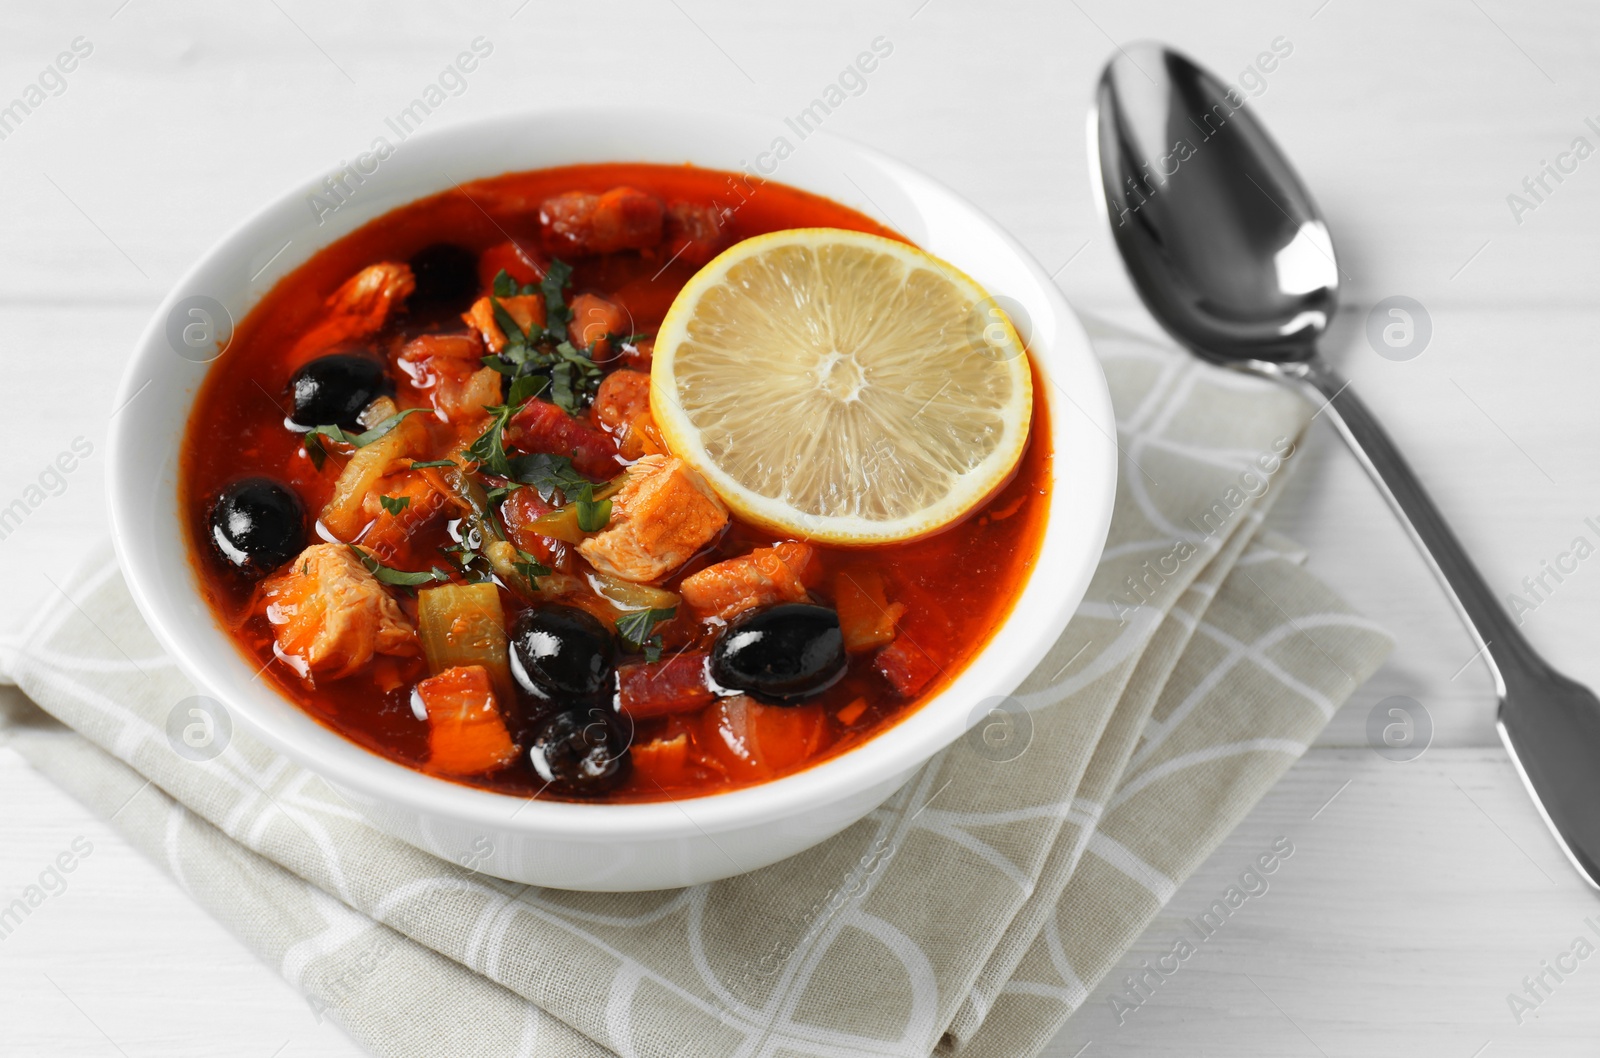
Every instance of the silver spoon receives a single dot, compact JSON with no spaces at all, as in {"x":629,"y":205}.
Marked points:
{"x":1231,"y":255}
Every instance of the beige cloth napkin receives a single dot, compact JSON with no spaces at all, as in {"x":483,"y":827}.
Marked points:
{"x":972,"y":912}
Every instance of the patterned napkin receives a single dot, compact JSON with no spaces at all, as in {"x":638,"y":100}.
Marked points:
{"x":971,"y":913}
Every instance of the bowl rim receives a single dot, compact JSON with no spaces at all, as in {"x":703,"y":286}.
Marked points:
{"x":1082,"y":432}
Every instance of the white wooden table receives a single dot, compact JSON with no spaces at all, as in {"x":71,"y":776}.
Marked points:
{"x":1420,"y":896}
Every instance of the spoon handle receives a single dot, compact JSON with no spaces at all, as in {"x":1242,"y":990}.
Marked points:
{"x":1509,"y":653}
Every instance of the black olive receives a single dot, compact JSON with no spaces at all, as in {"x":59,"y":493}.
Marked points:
{"x":780,"y":654}
{"x":582,"y":751}
{"x":333,"y":390}
{"x":447,"y":277}
{"x":561,"y":652}
{"x":258,"y":524}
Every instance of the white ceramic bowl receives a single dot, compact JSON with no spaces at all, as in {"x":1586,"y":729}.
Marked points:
{"x":602,"y":846}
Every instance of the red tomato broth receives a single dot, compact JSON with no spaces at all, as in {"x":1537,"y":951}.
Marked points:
{"x":958,"y":586}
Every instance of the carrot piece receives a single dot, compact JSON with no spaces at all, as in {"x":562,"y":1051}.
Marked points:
{"x":866,"y":616}
{"x":593,"y":320}
{"x":852,"y":712}
{"x":664,"y":762}
{"x":466,"y":734}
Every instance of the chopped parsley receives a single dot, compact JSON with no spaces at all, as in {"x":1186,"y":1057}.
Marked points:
{"x":490,"y":447}
{"x":593,"y":515}
{"x":529,"y":566}
{"x":473,"y":564}
{"x":636,"y":630}
{"x":574,"y":378}
{"x":549,"y":474}
{"x":398,"y":577}
{"x":541,"y":359}
{"x":556,"y":313}
{"x":415,"y":465}
{"x":525,"y":387}
{"x":505,"y":285}
{"x":318,"y":452}
{"x":394,"y":504}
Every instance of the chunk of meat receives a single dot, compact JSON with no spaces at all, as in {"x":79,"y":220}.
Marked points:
{"x":391,"y":534}
{"x":330,"y":616}
{"x":522,"y":263}
{"x":906,"y":666}
{"x":539,"y":426}
{"x":593,"y":320}
{"x":466,"y":733}
{"x":694,"y":233}
{"x":675,"y":684}
{"x":464,"y":395}
{"x":444,"y":346}
{"x":661,"y":516}
{"x":356,"y":309}
{"x":579,"y":223}
{"x":622,"y":406}
{"x":525,"y":310}
{"x":623,"y":396}
{"x":765,"y":576}
{"x":449,"y":367}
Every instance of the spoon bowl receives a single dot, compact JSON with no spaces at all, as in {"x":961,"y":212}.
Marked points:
{"x":1224,"y":243}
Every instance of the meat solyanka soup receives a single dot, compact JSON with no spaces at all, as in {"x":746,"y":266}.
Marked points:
{"x":428,"y":495}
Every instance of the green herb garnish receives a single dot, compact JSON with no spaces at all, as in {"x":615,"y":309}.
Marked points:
{"x":541,"y":359}
{"x":505,"y":285}
{"x":529,"y":566}
{"x":574,"y":378}
{"x":556,"y":313}
{"x":394,"y":504}
{"x":398,"y":577}
{"x":549,"y":474}
{"x":432,"y":463}
{"x":636,"y":630}
{"x":525,"y":387}
{"x":593,"y":515}
{"x":490,"y":447}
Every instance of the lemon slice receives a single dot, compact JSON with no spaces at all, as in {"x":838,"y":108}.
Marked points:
{"x":841,"y":387}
